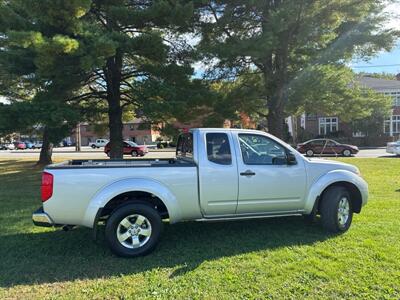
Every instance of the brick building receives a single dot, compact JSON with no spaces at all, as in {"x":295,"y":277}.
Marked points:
{"x":136,"y":130}
{"x":321,"y":125}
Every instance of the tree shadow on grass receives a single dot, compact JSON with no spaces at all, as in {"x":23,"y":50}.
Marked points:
{"x":53,"y":256}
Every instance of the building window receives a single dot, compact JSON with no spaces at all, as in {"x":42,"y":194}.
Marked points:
{"x":392,"y":125}
{"x":328,"y":125}
{"x":132,"y":127}
{"x":395,"y":97}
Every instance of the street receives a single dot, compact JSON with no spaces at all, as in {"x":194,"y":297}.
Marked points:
{"x":86,"y":153}
{"x":89,"y":153}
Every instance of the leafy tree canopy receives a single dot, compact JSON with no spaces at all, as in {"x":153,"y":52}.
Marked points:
{"x":282,"y":40}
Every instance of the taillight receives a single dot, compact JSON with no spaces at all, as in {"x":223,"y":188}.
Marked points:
{"x":47,"y":186}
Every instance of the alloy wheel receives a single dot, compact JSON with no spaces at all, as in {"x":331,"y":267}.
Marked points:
{"x":134,"y":231}
{"x":343,"y":211}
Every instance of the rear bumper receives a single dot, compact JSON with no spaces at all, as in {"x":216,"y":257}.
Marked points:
{"x":40,"y":218}
{"x":393,"y":150}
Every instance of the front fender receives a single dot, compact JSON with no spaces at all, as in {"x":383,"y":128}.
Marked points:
{"x":331,"y":177}
{"x":132,"y":185}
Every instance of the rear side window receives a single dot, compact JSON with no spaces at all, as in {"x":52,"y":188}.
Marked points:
{"x":218,"y":148}
{"x":184,"y":147}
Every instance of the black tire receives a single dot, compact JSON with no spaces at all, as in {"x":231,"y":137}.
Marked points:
{"x":93,"y":146}
{"x":329,"y":209}
{"x":346,"y":153}
{"x":309,"y":152}
{"x":134,"y":153}
{"x":108,"y":153}
{"x":121,"y":213}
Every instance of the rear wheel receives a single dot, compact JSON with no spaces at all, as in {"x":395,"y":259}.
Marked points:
{"x":310,"y":153}
{"x":336,"y":209}
{"x":346,"y":153}
{"x":133,"y":230}
{"x":93,"y":146}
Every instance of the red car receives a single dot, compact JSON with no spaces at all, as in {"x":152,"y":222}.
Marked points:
{"x":20,"y":145}
{"x":326,"y":146}
{"x":130,"y":148}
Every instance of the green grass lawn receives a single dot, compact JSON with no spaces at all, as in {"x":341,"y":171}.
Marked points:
{"x":269,"y":258}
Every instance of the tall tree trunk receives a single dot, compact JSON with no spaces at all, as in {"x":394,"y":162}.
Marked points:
{"x":47,"y":150}
{"x":275,"y":104}
{"x":275,"y":118}
{"x":277,"y":88}
{"x":113,"y":78}
{"x":115,"y":126}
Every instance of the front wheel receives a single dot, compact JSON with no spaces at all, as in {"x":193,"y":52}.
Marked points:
{"x":134,"y":153}
{"x":336,"y":209}
{"x":133,"y":230}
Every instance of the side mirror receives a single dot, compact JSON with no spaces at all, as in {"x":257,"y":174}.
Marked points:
{"x":291,"y":159}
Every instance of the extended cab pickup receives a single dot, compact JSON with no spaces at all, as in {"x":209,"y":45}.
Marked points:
{"x":217,"y":174}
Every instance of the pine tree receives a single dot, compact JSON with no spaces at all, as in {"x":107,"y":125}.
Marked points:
{"x":95,"y":50}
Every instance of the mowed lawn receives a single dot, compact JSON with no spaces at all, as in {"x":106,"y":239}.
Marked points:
{"x":270,"y":258}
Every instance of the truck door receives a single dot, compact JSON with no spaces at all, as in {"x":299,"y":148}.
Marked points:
{"x":218,"y":178}
{"x":266,"y":182}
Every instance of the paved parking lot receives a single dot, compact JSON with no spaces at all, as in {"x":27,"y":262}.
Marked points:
{"x":89,"y":153}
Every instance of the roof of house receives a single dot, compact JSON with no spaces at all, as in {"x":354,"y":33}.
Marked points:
{"x":379,"y":84}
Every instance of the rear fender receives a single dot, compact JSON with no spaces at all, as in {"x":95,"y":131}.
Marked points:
{"x":132,"y":185}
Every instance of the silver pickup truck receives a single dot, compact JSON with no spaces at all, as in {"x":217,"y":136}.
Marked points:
{"x":218,"y":174}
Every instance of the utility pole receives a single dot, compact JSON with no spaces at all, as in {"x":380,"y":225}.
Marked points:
{"x":78,"y":138}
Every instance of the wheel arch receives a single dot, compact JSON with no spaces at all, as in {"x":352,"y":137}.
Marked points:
{"x":356,"y":186}
{"x":355,"y":194}
{"x":129,"y":190}
{"x":135,"y":197}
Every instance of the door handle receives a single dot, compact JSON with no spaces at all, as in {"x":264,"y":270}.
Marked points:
{"x":247,"y":173}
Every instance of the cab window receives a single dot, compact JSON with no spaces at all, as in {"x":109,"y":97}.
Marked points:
{"x":218,"y":148}
{"x":261,"y":150}
{"x":184,"y":147}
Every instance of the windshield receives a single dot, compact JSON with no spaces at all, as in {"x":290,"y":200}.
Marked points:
{"x":133,"y":144}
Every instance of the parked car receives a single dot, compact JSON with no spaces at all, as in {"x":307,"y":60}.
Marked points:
{"x":130,"y":148}
{"x":3,"y":147}
{"x":28,"y":145}
{"x":393,"y":148}
{"x":8,"y":146}
{"x":218,"y":174}
{"x":37,"y":145}
{"x":99,"y":143}
{"x":326,"y":146}
{"x":66,"y":143}
{"x":20,"y":145}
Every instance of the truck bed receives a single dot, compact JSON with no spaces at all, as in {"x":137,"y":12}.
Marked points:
{"x":122,"y":163}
